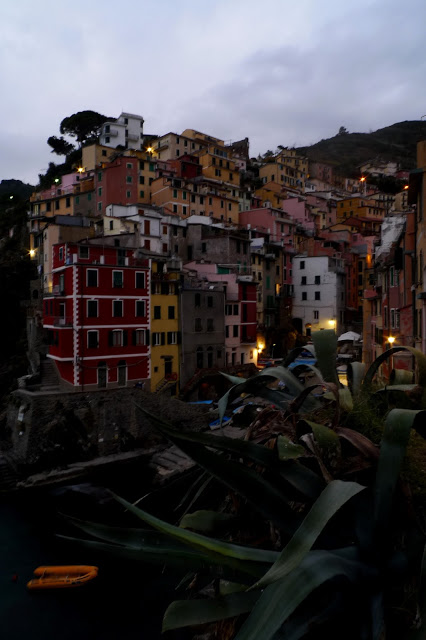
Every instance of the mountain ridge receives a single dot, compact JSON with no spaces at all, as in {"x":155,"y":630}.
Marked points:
{"x":346,"y":151}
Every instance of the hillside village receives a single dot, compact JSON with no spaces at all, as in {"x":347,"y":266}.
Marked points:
{"x":164,"y":260}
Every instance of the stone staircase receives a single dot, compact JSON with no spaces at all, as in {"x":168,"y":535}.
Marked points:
{"x":48,"y":375}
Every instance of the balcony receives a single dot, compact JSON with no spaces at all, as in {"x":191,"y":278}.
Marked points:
{"x":62,"y":321}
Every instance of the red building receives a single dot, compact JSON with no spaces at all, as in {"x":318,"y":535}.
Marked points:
{"x":97,"y":316}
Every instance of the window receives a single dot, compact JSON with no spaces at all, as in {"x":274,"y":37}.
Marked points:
{"x":316,"y":315}
{"x":317,"y":279}
{"x":171,"y":314}
{"x":83,"y":252}
{"x":303,"y":280}
{"x":129,"y":165}
{"x":61,"y":253}
{"x":92,"y":308}
{"x":235,"y":309}
{"x":317,"y":295}
{"x":304,"y":295}
{"x":117,"y":279}
{"x":203,"y":247}
{"x":128,"y":194}
{"x":68,"y":201}
{"x":200,"y":358}
{"x":139,"y":337}
{"x":235,"y":331}
{"x":209,"y":356}
{"x":111,"y":225}
{"x":140,"y":280}
{"x":302,"y":264}
{"x":210,"y":301}
{"x":140,"y":309}
{"x":92,"y":339}
{"x":157,"y":313}
{"x":116,"y":338}
{"x":104,"y":152}
{"x":117,"y":308}
{"x":172,"y":337}
{"x":92,"y":277}
{"x":210,"y":324}
{"x":197,"y":299}
{"x":156,"y":339}
{"x":100,"y":191}
{"x":198,"y":325}
{"x":227,"y":331}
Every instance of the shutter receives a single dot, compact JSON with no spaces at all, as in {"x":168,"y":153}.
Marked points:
{"x":110,"y":338}
{"x":134,"y":337}
{"x":125,"y":338}
{"x":147,"y":336}
{"x":179,"y":337}
{"x":163,"y":338}
{"x":152,"y":340}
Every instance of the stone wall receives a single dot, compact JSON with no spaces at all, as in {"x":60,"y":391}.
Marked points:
{"x":50,"y":430}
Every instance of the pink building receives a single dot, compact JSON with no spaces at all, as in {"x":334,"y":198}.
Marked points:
{"x":301,"y":213}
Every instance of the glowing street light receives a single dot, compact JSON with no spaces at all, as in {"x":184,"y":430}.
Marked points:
{"x":150,"y":150}
{"x":80,"y":169}
{"x":391,"y":340}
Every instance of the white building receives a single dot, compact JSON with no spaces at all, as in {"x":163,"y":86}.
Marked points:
{"x":143,"y":220}
{"x":319,"y":293}
{"x":126,"y":131}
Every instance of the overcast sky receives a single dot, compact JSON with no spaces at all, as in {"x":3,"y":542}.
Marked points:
{"x":276,"y":71}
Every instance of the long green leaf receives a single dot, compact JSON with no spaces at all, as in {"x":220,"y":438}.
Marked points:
{"x":396,"y":433}
{"x":355,"y":373}
{"x":184,"y":613}
{"x":302,"y":479}
{"x":198,"y":541}
{"x":325,"y":343}
{"x":334,"y":496}
{"x":281,"y":598}
{"x":287,"y":450}
{"x":420,"y":361}
{"x":205,"y":520}
{"x":401,"y":376}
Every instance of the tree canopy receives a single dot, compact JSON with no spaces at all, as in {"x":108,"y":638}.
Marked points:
{"x":83,"y":125}
{"x":60,"y":145}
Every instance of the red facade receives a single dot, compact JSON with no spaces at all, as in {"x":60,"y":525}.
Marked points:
{"x":97,"y":316}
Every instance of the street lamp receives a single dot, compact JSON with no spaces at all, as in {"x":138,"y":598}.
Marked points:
{"x":272,"y":353}
{"x":391,"y":340}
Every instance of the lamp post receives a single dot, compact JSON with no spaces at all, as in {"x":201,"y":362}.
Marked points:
{"x":391,"y":340}
{"x":272,"y":352}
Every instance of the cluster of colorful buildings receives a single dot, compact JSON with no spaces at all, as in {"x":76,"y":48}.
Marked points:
{"x":163,"y":260}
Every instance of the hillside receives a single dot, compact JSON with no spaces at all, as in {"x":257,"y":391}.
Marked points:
{"x":348,"y":150}
{"x":16,"y":188}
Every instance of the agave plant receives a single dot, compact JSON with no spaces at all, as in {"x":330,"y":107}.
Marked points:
{"x":313,"y":532}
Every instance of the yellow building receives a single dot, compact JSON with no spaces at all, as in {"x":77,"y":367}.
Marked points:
{"x":196,"y":197}
{"x":165,"y":334}
{"x":95,"y":154}
{"x":272,"y":193}
{"x":360,"y":207}
{"x":287,"y":169}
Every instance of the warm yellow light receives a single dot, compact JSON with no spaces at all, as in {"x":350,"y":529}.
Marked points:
{"x":362,"y":179}
{"x":56,"y":179}
{"x":80,"y":169}
{"x":332,"y":323}
{"x":406,"y":186}
{"x":32,"y":253}
{"x":391,"y":340}
{"x":150,"y":149}
{"x":260,"y":347}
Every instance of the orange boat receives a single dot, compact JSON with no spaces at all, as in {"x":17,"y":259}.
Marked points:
{"x":62,"y":577}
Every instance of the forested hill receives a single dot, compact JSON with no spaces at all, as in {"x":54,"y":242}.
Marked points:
{"x":15,"y":188}
{"x":346,"y":151}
